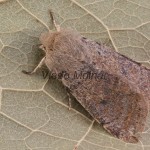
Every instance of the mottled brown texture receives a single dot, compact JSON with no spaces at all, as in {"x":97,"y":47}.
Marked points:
{"x":119,"y":99}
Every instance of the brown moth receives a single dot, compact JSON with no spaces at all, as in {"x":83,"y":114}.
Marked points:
{"x":114,"y":89}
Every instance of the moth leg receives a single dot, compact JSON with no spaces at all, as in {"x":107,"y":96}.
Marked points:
{"x":54,"y":22}
{"x":36,"y":68}
{"x":69,"y":100}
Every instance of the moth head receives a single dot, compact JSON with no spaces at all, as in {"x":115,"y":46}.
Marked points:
{"x":46,"y":41}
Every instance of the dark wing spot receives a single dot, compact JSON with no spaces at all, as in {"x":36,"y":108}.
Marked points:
{"x":104,"y":102}
{"x":98,"y":52}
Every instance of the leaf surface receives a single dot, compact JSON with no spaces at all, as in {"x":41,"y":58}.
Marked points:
{"x":34,"y":111}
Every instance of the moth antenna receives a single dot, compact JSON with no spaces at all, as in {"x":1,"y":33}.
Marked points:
{"x":53,"y":20}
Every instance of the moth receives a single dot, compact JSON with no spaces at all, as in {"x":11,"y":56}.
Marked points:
{"x":114,"y":89}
